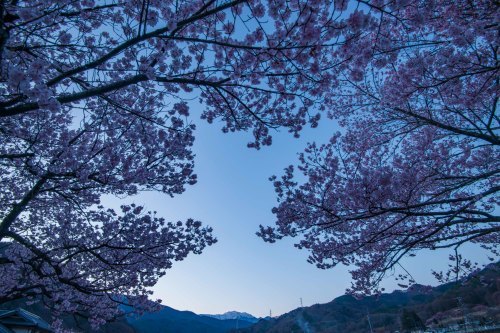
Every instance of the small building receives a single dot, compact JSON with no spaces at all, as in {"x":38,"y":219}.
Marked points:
{"x":22,"y":321}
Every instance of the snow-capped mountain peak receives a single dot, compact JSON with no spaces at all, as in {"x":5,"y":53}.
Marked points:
{"x":234,"y":315}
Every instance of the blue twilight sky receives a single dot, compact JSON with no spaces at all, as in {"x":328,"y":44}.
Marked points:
{"x":233,"y":195}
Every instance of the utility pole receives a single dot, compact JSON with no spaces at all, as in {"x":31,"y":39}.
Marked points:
{"x":369,"y":321}
{"x":464,"y":313}
{"x":301,"y":305}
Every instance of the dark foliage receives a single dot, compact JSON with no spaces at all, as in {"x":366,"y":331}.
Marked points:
{"x":411,"y":321}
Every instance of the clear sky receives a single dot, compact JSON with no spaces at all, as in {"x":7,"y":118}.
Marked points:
{"x":233,"y":195}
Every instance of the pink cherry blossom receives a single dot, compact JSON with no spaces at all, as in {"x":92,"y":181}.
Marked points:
{"x":417,"y":166}
{"x":94,"y":101}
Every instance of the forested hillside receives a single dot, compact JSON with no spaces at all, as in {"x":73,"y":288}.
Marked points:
{"x":478,"y":298}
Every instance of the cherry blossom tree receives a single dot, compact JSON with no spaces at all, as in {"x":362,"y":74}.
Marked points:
{"x":416,"y":164}
{"x":94,"y":101}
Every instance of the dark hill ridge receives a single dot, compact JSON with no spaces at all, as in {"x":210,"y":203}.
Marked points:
{"x":438,"y":306}
{"x":167,"y":320}
{"x":170,"y":320}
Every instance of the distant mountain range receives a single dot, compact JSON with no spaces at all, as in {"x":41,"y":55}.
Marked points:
{"x":170,"y":320}
{"x":167,"y":320}
{"x":476,"y":300}
{"x":233,"y":315}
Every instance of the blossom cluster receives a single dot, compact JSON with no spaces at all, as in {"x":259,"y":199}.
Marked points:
{"x":94,"y":100}
{"x":417,"y":163}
